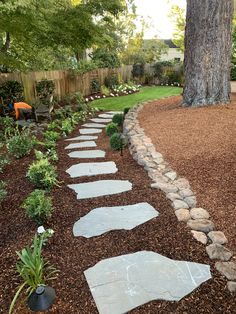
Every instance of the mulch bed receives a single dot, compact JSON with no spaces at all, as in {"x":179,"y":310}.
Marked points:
{"x":74,"y":255}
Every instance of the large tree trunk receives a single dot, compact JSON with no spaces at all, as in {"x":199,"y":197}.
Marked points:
{"x":207,"y":52}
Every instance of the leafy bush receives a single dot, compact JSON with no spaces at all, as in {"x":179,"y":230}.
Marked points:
{"x":51,"y":136}
{"x":7,"y":126}
{"x":126,"y":110}
{"x":38,"y":206}
{"x":50,"y":144}
{"x":51,"y":154}
{"x":3,"y":159}
{"x":138,"y":70}
{"x":11,"y":89}
{"x":3,"y":192}
{"x":84,"y":66}
{"x":105,"y":58}
{"x":20,"y":144}
{"x":111,"y":128}
{"x":32,"y":268}
{"x":42,"y":174}
{"x":66,"y":126}
{"x":117,"y":141}
{"x":118,"y":119}
{"x":95,"y":86}
{"x":45,"y":89}
{"x":54,"y":125}
{"x":111,"y":81}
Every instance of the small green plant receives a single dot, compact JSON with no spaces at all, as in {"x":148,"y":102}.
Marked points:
{"x":117,"y":141}
{"x":3,"y":192}
{"x":51,"y":136}
{"x":50,"y":145}
{"x":7,"y":124}
{"x":66,"y":126}
{"x":51,"y":154}
{"x":32,"y":268}
{"x":111,"y":81}
{"x":118,"y":119}
{"x":111,"y":128}
{"x":38,"y":206}
{"x":95,"y":86}
{"x":126,"y":110}
{"x":20,"y":144}
{"x":54,"y":125}
{"x":3,"y":159}
{"x":105,"y":90}
{"x":42,"y":174}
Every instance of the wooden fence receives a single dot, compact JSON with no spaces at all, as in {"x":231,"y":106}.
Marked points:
{"x":66,"y":82}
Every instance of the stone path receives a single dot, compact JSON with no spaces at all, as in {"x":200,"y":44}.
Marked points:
{"x":120,"y":284}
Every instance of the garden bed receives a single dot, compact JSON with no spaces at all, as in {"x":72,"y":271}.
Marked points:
{"x":199,"y":143}
{"x":72,"y":256}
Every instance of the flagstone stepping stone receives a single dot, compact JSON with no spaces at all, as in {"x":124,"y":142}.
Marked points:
{"x":100,"y":120}
{"x":120,"y":284}
{"x":88,"y":154}
{"x":83,"y":138}
{"x":104,"y":219}
{"x":90,"y":131}
{"x":100,"y":188}
{"x":106,"y":116}
{"x":115,"y":112}
{"x":94,"y":125}
{"x":81,"y":145}
{"x":92,"y":169}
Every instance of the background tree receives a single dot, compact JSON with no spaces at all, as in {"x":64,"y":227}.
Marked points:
{"x":177,"y":16}
{"x":207,"y":52}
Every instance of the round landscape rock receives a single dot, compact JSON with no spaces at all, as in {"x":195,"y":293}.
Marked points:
{"x":231,"y":285}
{"x":203,"y":225}
{"x":199,"y":213}
{"x":199,"y":236}
{"x":217,"y":237}
{"x":182,"y":214}
{"x":228,"y":269}
{"x":218,"y":251}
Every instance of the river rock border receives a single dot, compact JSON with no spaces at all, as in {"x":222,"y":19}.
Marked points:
{"x":178,"y":191}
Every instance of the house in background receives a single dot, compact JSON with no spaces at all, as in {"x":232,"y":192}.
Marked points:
{"x":172,"y":53}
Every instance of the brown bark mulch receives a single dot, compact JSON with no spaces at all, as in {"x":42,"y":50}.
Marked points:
{"x":74,"y":255}
{"x":200,"y":144}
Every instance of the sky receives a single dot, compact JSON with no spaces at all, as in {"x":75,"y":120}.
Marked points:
{"x":156,"y":12}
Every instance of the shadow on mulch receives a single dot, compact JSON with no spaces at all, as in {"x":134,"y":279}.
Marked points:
{"x":74,"y":255}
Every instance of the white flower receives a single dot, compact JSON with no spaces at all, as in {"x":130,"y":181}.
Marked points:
{"x":50,"y":231}
{"x":172,"y":84}
{"x":91,"y":98}
{"x":86,"y":99}
{"x":99,"y":97}
{"x":104,"y":96}
{"x":41,"y":230}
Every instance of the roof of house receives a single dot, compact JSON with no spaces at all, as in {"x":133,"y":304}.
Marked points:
{"x":169,"y":43}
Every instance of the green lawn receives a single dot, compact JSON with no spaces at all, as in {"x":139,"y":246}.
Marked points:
{"x":145,"y":93}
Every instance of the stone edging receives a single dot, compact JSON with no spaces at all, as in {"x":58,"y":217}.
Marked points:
{"x":179,"y":192}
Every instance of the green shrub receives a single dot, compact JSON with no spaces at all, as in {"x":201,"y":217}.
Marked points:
{"x":3,"y":192}
{"x":20,"y":144}
{"x":11,"y":89}
{"x":126,"y":110}
{"x":45,"y":89}
{"x":138,"y":70}
{"x":118,"y":119}
{"x":117,"y":141}
{"x":95,"y":86}
{"x":7,"y":125}
{"x":105,"y":90}
{"x":111,"y":128}
{"x":42,"y":174}
{"x":38,"y":206}
{"x":111,"y":81}
{"x":54,"y":125}
{"x":51,"y":136}
{"x":51,"y":154}
{"x":32,"y":268}
{"x":3,"y":159}
{"x":66,"y":126}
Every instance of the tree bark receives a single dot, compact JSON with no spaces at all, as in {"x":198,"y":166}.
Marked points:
{"x":207,"y":52}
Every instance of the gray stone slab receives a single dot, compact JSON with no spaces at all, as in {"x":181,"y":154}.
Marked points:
{"x":122,"y":283}
{"x":106,"y":116}
{"x":81,"y":145}
{"x":100,"y":188}
{"x":92,"y":169}
{"x":94,"y":125}
{"x":90,"y":131}
{"x":104,"y":219}
{"x":114,"y":112}
{"x":83,"y":138}
{"x":101,"y":120}
{"x":87,"y":154}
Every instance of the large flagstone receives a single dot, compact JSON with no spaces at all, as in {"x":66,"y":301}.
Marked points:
{"x":87,"y":154}
{"x":100,"y":188}
{"x":92,"y":169}
{"x":94,"y":125}
{"x":104,"y":219}
{"x":106,"y":116}
{"x":81,"y":145}
{"x":90,"y":131}
{"x":101,"y":120}
{"x":83,"y":138}
{"x":120,"y":284}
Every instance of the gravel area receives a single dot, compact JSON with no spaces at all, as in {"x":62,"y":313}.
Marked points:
{"x":74,"y":255}
{"x":200,"y":144}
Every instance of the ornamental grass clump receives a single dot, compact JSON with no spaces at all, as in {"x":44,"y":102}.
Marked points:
{"x":118,"y":119}
{"x":32,"y":267}
{"x":42,"y":174}
{"x":38,"y":206}
{"x":111,"y":128}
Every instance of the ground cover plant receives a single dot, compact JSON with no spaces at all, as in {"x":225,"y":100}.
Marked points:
{"x":145,"y":94}
{"x":20,"y":144}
